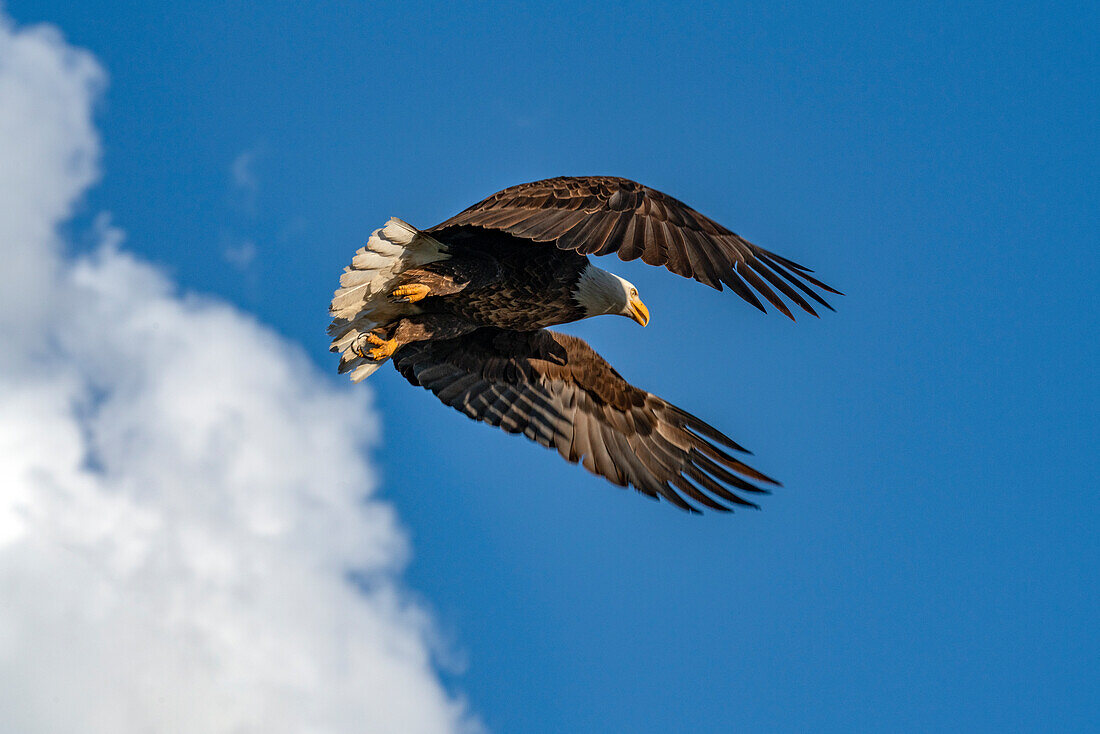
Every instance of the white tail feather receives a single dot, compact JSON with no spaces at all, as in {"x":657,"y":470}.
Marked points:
{"x":362,"y":303}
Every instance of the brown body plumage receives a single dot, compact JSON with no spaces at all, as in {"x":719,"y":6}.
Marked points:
{"x":504,"y":285}
{"x":462,"y":308}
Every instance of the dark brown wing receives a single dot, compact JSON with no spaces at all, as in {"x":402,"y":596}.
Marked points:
{"x":598,"y":215}
{"x":557,"y":391}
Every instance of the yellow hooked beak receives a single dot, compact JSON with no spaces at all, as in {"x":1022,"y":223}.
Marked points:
{"x":638,"y":311}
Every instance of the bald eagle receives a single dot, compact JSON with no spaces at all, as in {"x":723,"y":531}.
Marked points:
{"x":462,"y":309}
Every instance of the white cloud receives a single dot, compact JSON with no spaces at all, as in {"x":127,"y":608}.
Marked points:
{"x":241,"y":254}
{"x":43,"y":166}
{"x":182,"y":495}
{"x":244,"y":187}
{"x":243,"y":175}
{"x":244,"y":183}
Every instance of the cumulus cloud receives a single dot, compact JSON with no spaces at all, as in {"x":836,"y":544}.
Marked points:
{"x":183,"y":496}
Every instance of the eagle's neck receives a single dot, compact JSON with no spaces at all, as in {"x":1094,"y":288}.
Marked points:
{"x":600,"y":292}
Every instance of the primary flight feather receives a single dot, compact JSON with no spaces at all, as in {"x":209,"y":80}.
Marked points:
{"x":462,"y":310}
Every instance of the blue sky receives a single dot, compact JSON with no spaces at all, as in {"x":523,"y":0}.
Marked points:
{"x":931,"y":561}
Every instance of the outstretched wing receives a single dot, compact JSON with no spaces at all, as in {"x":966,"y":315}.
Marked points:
{"x":599,"y":215}
{"x":556,"y":390}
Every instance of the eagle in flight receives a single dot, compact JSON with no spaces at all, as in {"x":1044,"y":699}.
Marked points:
{"x":462,"y":309}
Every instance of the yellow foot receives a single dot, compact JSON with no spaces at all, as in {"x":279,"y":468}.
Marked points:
{"x":383,"y":348}
{"x":410,"y":293}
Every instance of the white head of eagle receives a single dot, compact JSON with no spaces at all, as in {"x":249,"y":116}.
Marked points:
{"x":600,"y":292}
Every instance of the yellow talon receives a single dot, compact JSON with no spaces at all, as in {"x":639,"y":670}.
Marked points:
{"x":383,"y":348}
{"x":410,"y":293}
